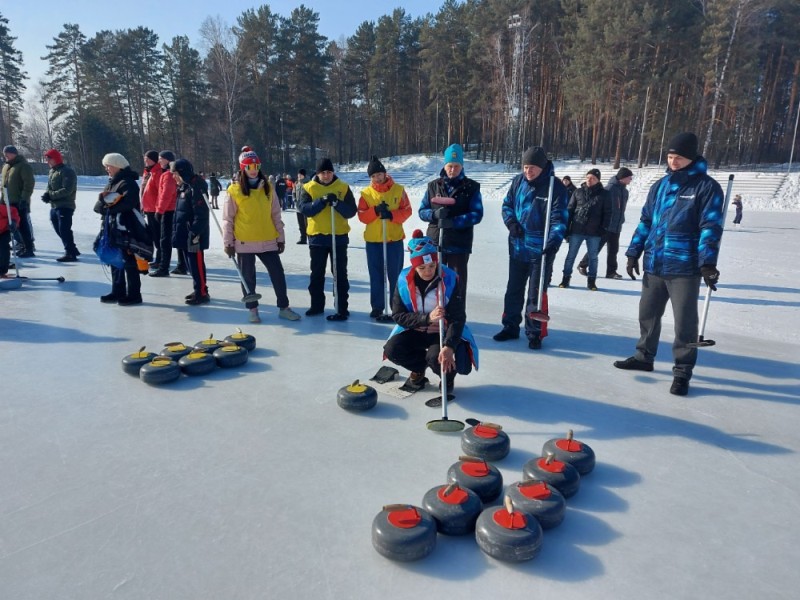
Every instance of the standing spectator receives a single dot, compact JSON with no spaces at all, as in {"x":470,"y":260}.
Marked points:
{"x":457,"y":220}
{"x":17,"y":186}
{"x":618,"y":194}
{"x":737,"y":204}
{"x":302,"y":221}
{"x":8,"y":224}
{"x":280,"y":189}
{"x":323,"y":196}
{"x":567,"y":181}
{"x":679,"y":233}
{"x":190,"y":232}
{"x":214,"y":187}
{"x":289,"y":202}
{"x":62,"y":186}
{"x":253,"y":228}
{"x":383,"y":203}
{"x":151,"y":179}
{"x":119,"y":203}
{"x":589,"y":208}
{"x":524,"y":214}
{"x":165,"y":214}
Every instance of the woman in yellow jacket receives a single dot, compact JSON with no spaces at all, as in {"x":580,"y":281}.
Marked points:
{"x":383,"y":202}
{"x":253,"y":228}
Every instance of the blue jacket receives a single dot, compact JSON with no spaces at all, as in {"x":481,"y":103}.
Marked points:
{"x":681,"y":223}
{"x":526,"y":204}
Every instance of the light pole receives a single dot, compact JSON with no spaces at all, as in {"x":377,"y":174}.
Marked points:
{"x":283,"y":147}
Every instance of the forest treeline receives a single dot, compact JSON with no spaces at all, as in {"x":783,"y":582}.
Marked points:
{"x":602,"y":80}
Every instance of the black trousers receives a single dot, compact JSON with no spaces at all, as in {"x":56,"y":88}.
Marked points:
{"x":272,"y":261}
{"x":165,"y":221}
{"x":316,"y":284}
{"x":126,"y":282}
{"x":414,"y":350}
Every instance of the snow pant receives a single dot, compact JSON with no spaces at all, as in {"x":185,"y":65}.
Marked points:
{"x":61,"y":218}
{"x":24,"y":233}
{"x":611,"y":241}
{"x":458,"y":262}
{"x":738,"y":218}
{"x":682,"y":292}
{"x":316,"y":284}
{"x":592,"y":245}
{"x":126,"y":282}
{"x":165,"y":221}
{"x":302,"y":223}
{"x":196,"y":265}
{"x":377,"y":282}
{"x":272,"y":261}
{"x":154,"y":230}
{"x":416,"y":351}
{"x":5,"y":252}
{"x":520,"y":274}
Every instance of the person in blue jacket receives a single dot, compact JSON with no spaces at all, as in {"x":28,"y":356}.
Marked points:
{"x":679,"y":234}
{"x":417,"y":309}
{"x":524,"y":214}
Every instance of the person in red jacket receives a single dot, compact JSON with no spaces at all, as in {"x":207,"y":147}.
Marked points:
{"x":151,"y":179}
{"x":7,"y":227}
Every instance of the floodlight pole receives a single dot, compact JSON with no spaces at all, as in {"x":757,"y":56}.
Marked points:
{"x":794,"y":138}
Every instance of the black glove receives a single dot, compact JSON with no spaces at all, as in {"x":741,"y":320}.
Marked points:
{"x":516,"y":230}
{"x":551,"y":249}
{"x":332,"y":199}
{"x":383,"y":212}
{"x":46,"y":197}
{"x":633,"y":267}
{"x":445,"y":223}
{"x":710,"y":276}
{"x":441,"y":213}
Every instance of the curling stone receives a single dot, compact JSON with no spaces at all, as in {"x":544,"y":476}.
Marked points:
{"x":562,"y":476}
{"x":507,"y":534}
{"x":403,"y":532}
{"x":540,"y":500}
{"x":454,"y":508}
{"x":208,"y":345}
{"x":159,"y":370}
{"x":571,"y":451}
{"x":175,"y":350}
{"x":477,"y":475}
{"x":357,"y":397}
{"x":245,"y":340}
{"x":197,"y":363}
{"x":487,"y":441}
{"x":133,"y":362}
{"x":230,"y":355}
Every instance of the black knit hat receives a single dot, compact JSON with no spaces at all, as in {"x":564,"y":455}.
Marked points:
{"x":595,"y":172}
{"x":623,"y":173}
{"x":166,"y":155}
{"x":301,"y":172}
{"x":183,"y":168}
{"x":535,"y":156}
{"x":375,"y":166}
{"x":152,"y":155}
{"x":324,"y":164}
{"x":683,"y":144}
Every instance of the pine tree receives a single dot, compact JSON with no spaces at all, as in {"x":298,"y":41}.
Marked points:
{"x":12,"y":83}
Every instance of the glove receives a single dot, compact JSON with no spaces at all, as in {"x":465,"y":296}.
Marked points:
{"x":230,"y":251}
{"x":633,"y":267}
{"x":46,"y":197}
{"x":281,"y":247}
{"x":710,"y":276}
{"x":441,"y":213}
{"x":551,"y":249}
{"x":445,"y":223}
{"x":332,"y":199}
{"x":516,"y":230}
{"x":383,"y":212}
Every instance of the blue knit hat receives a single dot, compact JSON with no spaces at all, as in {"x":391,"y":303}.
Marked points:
{"x":454,"y":154}
{"x":422,"y":249}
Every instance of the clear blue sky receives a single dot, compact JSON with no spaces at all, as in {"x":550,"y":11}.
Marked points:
{"x":36,"y":24}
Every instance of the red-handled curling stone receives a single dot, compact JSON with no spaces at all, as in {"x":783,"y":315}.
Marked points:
{"x":357,"y":397}
{"x":454,"y":508}
{"x":487,"y":441}
{"x":562,"y":476}
{"x":240,"y":338}
{"x":571,"y":451}
{"x":133,"y":362}
{"x":477,"y":475}
{"x":403,"y":532}
{"x":507,"y":534}
{"x":540,"y":500}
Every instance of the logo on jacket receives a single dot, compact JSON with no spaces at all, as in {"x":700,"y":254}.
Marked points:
{"x":687,"y":197}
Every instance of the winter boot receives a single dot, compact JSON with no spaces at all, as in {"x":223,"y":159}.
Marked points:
{"x":680,"y":386}
{"x":633,"y":364}
{"x":591,"y":283}
{"x":565,"y":281}
{"x":582,"y":270}
{"x":507,"y":333}
{"x":535,"y":343}
{"x":415,"y":382}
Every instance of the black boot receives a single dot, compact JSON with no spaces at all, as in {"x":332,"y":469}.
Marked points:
{"x":591,"y":283}
{"x":565,"y":281}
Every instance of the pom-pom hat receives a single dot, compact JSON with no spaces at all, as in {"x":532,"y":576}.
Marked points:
{"x":375,"y":166}
{"x":248,"y":157}
{"x":423,"y":250}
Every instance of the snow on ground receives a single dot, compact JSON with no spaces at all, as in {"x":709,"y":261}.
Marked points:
{"x":252,"y":483}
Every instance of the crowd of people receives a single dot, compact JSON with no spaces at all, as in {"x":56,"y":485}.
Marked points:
{"x":678,"y":235}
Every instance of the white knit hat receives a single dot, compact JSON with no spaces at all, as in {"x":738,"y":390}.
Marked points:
{"x":115,"y":160}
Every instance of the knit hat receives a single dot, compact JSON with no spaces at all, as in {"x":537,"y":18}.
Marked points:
{"x":10,"y":150}
{"x":183,"y":168}
{"x":423,"y":250}
{"x":301,"y":172}
{"x":375,"y":166}
{"x":324,"y":164}
{"x":54,"y":155}
{"x":623,"y":173}
{"x":115,"y":160}
{"x":683,"y":144}
{"x":152,"y":155}
{"x":166,"y":155}
{"x":595,"y":172}
{"x":535,"y":156}
{"x":248,"y":157}
{"x":454,"y":154}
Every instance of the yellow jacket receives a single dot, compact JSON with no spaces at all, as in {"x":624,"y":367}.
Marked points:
{"x":396,"y":199}
{"x":320,"y":223}
{"x":251,"y":220}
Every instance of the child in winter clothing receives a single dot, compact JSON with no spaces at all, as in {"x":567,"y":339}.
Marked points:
{"x":190,"y":232}
{"x":252,"y":227}
{"x":7,"y":227}
{"x":383,"y":207}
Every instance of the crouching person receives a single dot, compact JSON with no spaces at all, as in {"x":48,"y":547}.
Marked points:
{"x":190,"y":232}
{"x":418,"y":306}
